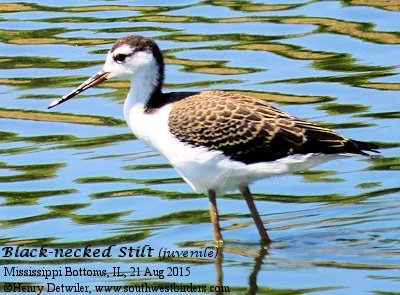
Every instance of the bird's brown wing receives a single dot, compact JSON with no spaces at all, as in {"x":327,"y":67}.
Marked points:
{"x":250,"y":130}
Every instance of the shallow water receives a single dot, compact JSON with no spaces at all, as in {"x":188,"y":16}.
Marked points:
{"x":74,"y":175}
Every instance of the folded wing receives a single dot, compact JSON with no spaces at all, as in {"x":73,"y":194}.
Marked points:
{"x":251,"y":131}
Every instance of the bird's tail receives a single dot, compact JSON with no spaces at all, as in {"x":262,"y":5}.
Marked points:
{"x":366,"y":146}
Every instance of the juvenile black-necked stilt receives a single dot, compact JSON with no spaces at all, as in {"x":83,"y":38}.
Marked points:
{"x":216,"y":140}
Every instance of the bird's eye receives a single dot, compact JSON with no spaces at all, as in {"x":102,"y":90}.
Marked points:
{"x":120,"y":58}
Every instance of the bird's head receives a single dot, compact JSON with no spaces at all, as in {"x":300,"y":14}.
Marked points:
{"x":128,"y":58}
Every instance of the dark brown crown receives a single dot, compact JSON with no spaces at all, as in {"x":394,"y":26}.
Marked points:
{"x":138,"y":43}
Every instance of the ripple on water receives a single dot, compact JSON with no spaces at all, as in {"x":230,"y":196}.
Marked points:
{"x":76,"y":176}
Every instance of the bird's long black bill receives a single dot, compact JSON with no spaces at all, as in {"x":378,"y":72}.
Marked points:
{"x":92,"y":81}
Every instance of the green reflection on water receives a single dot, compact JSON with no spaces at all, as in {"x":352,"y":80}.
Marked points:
{"x":320,"y":176}
{"x":94,"y":34}
{"x":336,"y":109}
{"x":385,"y":164}
{"x":102,"y":179}
{"x":146,"y":192}
{"x":59,"y":117}
{"x":31,"y":172}
{"x":42,"y":62}
{"x":326,"y":198}
{"x":31,"y":197}
{"x":97,"y":141}
{"x":181,"y":217}
{"x":51,"y":241}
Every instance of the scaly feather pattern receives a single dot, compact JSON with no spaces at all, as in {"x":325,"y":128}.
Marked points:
{"x":250,"y":130}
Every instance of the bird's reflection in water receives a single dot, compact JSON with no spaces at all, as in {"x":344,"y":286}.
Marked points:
{"x":258,"y":261}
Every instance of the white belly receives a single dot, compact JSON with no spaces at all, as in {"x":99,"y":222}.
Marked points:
{"x":201,"y":168}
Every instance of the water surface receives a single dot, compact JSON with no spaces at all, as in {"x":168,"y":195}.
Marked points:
{"x":74,"y":175}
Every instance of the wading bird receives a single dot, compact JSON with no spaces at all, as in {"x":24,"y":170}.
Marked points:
{"x":217,"y":140}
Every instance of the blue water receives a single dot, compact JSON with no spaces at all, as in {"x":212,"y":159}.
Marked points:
{"x":74,"y":175}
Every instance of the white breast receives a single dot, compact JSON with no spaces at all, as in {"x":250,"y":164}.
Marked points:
{"x":201,"y":168}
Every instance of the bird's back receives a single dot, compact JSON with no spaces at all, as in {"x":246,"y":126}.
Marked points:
{"x":250,"y":130}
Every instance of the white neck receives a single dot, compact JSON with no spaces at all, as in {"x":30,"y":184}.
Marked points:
{"x":143,"y":84}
